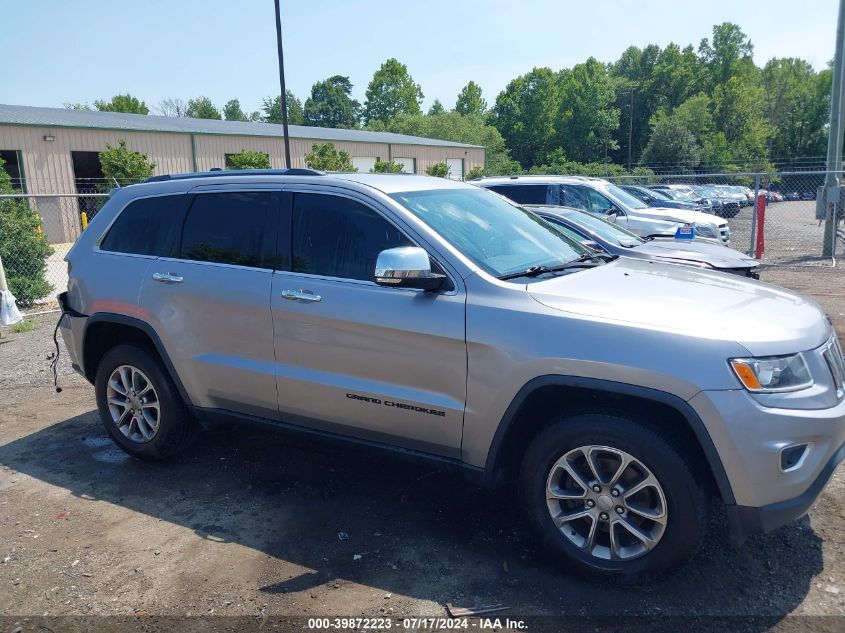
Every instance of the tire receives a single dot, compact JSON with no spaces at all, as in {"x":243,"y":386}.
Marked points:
{"x":149,"y":436}
{"x":684,"y":504}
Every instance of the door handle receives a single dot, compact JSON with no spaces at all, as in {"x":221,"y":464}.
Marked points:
{"x":301,"y":295}
{"x":171,"y":278}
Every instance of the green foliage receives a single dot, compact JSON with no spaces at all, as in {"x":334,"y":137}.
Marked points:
{"x":246,"y":159}
{"x":23,"y":326}
{"x":451,"y":126}
{"x":440,"y":170}
{"x":326,"y":157}
{"x":23,"y":248}
{"x":587,"y":117}
{"x":386,"y":167}
{"x":475,"y":172}
{"x":525,"y":114}
{"x":470,"y":100}
{"x":738,"y":112}
{"x":232,"y":111}
{"x":331,"y":104}
{"x":272,"y":109}
{"x":729,"y":54}
{"x":391,"y":92}
{"x":124,"y":166}
{"x":436,"y":108}
{"x":120,"y":103}
{"x":202,"y":108}
{"x":672,"y":144}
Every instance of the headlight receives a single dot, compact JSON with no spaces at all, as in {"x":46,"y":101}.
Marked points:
{"x":772,"y":373}
{"x":706,"y":230}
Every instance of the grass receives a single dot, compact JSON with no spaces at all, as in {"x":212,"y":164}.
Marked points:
{"x":23,"y":326}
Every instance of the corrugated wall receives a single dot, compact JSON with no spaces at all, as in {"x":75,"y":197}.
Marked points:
{"x":49,"y":170}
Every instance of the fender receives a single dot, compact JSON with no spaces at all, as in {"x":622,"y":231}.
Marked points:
{"x":146,"y":328}
{"x":595,"y":384}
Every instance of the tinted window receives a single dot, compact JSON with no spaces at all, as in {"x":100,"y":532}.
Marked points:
{"x":231,"y":228}
{"x":147,"y":226}
{"x":525,"y":194}
{"x":338,"y":237}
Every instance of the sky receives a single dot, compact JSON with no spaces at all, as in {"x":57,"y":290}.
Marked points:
{"x":59,"y":51}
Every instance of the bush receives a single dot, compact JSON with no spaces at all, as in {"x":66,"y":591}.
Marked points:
{"x":475,"y":172}
{"x":386,"y":167}
{"x":245,"y":159}
{"x":326,"y":157}
{"x":440,"y":170}
{"x":23,"y":248}
{"x":124,"y":166}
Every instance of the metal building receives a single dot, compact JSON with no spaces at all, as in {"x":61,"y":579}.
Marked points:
{"x":54,"y":151}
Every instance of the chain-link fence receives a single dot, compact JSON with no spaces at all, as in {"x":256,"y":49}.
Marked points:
{"x":794,"y":228}
{"x":37,"y":230}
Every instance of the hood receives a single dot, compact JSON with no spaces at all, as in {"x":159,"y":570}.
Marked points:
{"x":765,"y":319}
{"x":708,"y":252}
{"x":679,"y":215}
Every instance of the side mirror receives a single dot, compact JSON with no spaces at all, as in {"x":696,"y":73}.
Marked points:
{"x":407,"y":267}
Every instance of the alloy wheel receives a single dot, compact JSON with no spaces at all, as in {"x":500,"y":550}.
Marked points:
{"x":133,"y":403}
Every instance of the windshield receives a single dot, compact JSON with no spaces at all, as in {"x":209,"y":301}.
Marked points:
{"x":499,"y":237}
{"x":625,"y":198}
{"x":605,"y":230}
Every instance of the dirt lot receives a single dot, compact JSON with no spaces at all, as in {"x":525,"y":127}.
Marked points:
{"x":247,"y":523}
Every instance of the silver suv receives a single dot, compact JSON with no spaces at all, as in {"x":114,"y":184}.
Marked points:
{"x":437,"y":319}
{"x":603,"y":198}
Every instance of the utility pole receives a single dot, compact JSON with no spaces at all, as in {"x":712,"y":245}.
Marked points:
{"x":630,"y":128}
{"x":834,"y":142}
{"x":282,"y":83}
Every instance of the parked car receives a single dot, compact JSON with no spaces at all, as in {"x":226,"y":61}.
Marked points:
{"x":599,"y":234}
{"x":440,"y":321}
{"x":792,"y":196}
{"x":734,"y":193}
{"x":712,"y":204}
{"x":604,"y":198}
{"x":724,"y":206}
{"x":655,"y":198}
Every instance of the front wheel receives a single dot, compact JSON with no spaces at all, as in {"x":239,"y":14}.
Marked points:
{"x":613,"y":498}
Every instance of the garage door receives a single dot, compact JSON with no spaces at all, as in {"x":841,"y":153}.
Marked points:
{"x":408,"y":165}
{"x":456,"y":168}
{"x":364,"y":164}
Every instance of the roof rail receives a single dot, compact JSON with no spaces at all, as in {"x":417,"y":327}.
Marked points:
{"x":294,"y":171}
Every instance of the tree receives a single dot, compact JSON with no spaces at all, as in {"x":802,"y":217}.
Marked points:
{"x":232,"y":111}
{"x":123,"y":103}
{"x":738,"y":113}
{"x":451,"y":126}
{"x":246,"y":159}
{"x":124,"y":166}
{"x":728,"y":55}
{"x":525,"y":114}
{"x":587,"y":118}
{"x":326,"y":157}
{"x":671,"y":145}
{"x":331,"y":104}
{"x":436,"y":108}
{"x":695,"y":114}
{"x":470,"y":100}
{"x":23,"y":248}
{"x":273,"y":109}
{"x":386,"y":167}
{"x":439,"y":170}
{"x":392,"y":91}
{"x":173,"y":107}
{"x":474,"y":173}
{"x":202,"y":108}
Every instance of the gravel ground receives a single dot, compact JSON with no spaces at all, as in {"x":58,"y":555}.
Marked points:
{"x":247,"y":523}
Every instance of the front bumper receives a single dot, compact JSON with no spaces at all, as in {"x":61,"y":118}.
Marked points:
{"x":745,"y":521}
{"x":750,"y":439}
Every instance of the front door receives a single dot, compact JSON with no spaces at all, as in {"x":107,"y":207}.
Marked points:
{"x":352,"y":357}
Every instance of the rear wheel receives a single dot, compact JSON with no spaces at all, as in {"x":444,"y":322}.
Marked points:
{"x":139,"y":405}
{"x":613,"y":498}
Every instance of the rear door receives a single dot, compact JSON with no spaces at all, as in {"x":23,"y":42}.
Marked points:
{"x":383,"y":364}
{"x":210,"y":301}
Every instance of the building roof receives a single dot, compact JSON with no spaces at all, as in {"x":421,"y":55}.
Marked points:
{"x":61,"y":117}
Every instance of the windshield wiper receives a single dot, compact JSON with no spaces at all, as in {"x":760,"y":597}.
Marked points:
{"x":584,"y":261}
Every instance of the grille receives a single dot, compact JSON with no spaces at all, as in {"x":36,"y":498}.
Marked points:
{"x":833,"y":355}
